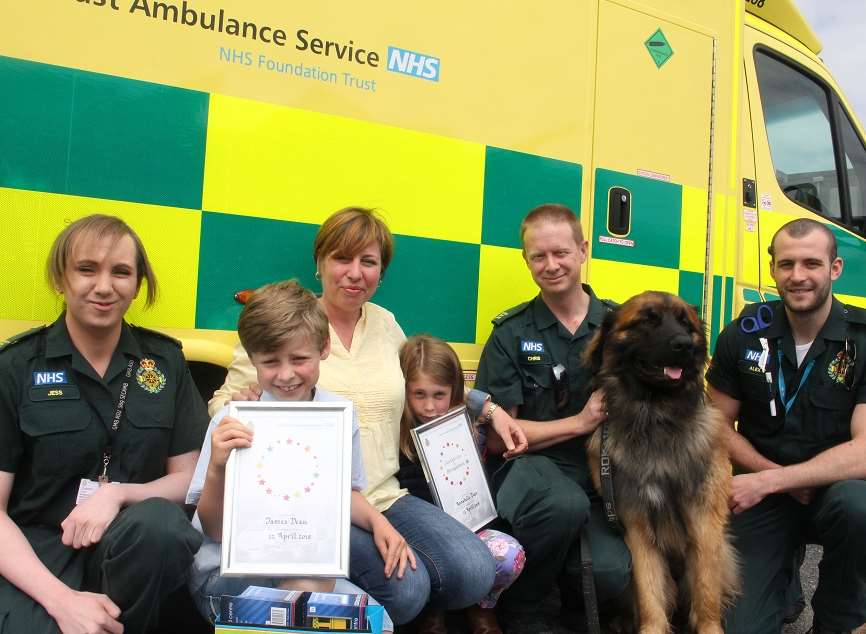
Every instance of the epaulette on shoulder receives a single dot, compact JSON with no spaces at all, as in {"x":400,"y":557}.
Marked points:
{"x":505,"y":315}
{"x":156,"y":333}
{"x":609,"y":304}
{"x":21,"y":336}
{"x":855,"y":315}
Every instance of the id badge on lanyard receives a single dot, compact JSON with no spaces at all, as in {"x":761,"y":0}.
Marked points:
{"x":88,"y":487}
{"x":762,"y":363}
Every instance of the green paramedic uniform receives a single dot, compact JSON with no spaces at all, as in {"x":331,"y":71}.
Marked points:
{"x":813,"y":415}
{"x":55,"y":417}
{"x":547,"y":496}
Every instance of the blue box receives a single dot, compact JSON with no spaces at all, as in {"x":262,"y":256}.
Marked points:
{"x":261,"y":606}
{"x":332,"y":605}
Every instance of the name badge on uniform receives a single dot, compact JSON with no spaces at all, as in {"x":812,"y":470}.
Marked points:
{"x":530,"y":345}
{"x":49,"y":377}
{"x":85,"y":490}
{"x":62,"y":392}
{"x":752,"y":355}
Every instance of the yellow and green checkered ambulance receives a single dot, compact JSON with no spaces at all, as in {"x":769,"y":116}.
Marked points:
{"x":225,"y":131}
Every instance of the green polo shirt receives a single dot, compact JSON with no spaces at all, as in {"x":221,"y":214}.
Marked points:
{"x":820,"y":414}
{"x":56,"y":412}
{"x":516,"y":366}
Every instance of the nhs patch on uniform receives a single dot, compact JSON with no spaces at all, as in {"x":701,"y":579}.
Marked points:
{"x":528,"y":345}
{"x":49,"y":377}
{"x":752,"y":355}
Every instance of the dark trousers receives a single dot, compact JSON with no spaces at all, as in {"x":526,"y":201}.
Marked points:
{"x":546,"y":503}
{"x":144,"y":555}
{"x":767,"y":537}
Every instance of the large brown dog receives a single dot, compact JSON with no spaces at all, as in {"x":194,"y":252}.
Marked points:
{"x":670,"y":470}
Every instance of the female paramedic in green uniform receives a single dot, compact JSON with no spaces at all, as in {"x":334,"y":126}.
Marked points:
{"x":100,"y":425}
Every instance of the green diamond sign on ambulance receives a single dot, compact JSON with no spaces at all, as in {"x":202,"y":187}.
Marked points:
{"x":658,"y":47}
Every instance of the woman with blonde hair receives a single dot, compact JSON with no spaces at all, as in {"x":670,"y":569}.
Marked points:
{"x":100,"y":425}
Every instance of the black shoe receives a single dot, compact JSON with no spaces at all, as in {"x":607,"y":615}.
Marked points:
{"x":793,"y":611}
{"x":524,"y":623}
{"x":817,"y":628}
{"x":573,"y":619}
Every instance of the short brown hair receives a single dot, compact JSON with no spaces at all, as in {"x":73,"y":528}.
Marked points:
{"x":553,"y":212}
{"x":97,"y":227}
{"x":279,"y":313}
{"x":349,"y":230}
{"x":800,"y":228}
{"x":426,"y":354}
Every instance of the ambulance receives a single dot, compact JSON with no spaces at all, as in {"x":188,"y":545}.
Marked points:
{"x":682,"y":133}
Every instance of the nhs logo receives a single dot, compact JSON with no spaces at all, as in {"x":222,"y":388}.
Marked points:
{"x":49,"y":378}
{"x":531,"y":346}
{"x":412,"y":63}
{"x":753,"y":355}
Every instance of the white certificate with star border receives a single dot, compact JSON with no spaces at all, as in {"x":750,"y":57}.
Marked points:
{"x":286,"y":510}
{"x":453,"y":468}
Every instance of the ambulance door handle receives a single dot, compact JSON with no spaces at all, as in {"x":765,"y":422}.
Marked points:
{"x":619,"y":211}
{"x":749,"y":196}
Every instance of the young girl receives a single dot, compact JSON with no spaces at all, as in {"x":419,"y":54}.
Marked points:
{"x":434,"y":385}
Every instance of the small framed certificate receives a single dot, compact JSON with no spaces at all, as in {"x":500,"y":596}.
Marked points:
{"x":449,"y":456}
{"x":286,"y":510}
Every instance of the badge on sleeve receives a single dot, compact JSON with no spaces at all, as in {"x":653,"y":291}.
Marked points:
{"x":149,"y":377}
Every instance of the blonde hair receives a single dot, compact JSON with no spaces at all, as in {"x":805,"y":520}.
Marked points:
{"x":348,"y":231}
{"x":552,"y":212}
{"x":426,"y":354}
{"x":279,"y":313}
{"x":97,"y":227}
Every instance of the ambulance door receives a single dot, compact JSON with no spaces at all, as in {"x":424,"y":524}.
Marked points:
{"x":810,"y":160}
{"x":651,"y":157}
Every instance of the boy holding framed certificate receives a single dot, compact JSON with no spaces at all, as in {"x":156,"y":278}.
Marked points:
{"x":285,"y":332}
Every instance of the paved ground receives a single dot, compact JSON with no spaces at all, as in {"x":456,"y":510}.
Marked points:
{"x":809,"y":579}
{"x":808,"y":574}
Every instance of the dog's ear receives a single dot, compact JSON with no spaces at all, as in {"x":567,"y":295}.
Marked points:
{"x":593,"y":356}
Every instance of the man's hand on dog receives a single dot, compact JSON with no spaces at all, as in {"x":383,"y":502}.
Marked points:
{"x":747,"y":489}
{"x":594,"y":413}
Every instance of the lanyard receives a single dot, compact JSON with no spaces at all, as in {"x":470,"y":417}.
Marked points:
{"x":783,"y":391}
{"x":115,"y":422}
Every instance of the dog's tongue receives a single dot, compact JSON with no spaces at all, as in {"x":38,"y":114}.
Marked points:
{"x":673,"y":373}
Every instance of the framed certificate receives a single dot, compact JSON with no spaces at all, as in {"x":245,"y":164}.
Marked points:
{"x":286,"y":510}
{"x":448,"y":454}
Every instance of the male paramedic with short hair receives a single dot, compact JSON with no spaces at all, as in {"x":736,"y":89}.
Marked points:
{"x":790,"y":373}
{"x":531,"y":365}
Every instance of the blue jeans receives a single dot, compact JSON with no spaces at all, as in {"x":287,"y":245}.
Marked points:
{"x":455,"y":568}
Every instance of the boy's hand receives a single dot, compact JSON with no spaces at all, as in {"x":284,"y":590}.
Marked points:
{"x":510,"y":432}
{"x":229,"y":434}
{"x":392,"y":547}
{"x":252,"y":392}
